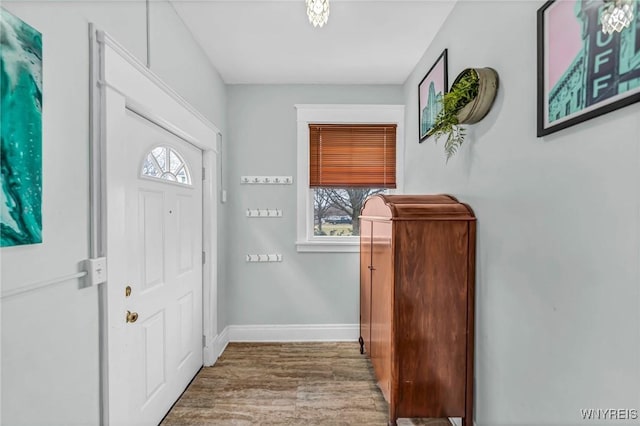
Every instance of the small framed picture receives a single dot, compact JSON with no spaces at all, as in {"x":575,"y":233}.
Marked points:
{"x":430,"y":92}
{"x":583,"y":72}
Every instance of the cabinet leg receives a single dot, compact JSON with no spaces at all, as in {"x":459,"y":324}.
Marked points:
{"x":467,"y":420}
{"x":361,"y":341}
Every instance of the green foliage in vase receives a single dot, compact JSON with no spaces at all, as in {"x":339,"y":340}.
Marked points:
{"x":463,"y":91}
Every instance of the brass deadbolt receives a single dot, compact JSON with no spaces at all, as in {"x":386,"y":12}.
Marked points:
{"x":132,"y":316}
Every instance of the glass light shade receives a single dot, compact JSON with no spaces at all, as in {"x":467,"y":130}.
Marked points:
{"x":617,"y":16}
{"x":318,"y":12}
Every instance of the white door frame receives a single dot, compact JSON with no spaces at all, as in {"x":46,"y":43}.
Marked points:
{"x":115,"y":70}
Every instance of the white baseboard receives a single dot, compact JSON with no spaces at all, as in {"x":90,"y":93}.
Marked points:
{"x":279,"y":333}
{"x":213,"y":351}
{"x":457,"y":421}
{"x":294,"y":333}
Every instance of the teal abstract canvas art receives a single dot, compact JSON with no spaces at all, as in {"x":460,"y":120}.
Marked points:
{"x":20,"y":131}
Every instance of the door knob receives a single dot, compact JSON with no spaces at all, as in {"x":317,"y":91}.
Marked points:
{"x":132,"y":316}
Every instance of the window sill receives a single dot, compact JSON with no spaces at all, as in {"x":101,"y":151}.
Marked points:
{"x":328,"y":247}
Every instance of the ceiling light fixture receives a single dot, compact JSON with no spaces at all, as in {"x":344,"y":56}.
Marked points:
{"x":617,"y":16}
{"x":318,"y":12}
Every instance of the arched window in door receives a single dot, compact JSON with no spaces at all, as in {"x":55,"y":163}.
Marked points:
{"x":165,"y":163}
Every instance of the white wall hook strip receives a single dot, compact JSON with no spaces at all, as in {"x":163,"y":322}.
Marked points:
{"x":264,"y":257}
{"x":266,"y":180}
{"x":264,"y":213}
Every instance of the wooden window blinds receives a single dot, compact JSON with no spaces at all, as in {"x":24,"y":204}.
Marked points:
{"x":348,"y":156}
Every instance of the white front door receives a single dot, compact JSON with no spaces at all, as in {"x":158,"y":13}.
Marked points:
{"x":154,"y":251}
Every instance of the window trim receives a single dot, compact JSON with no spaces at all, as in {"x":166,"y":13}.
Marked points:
{"x":337,"y":114}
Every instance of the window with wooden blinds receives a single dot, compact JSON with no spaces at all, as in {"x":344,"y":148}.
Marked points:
{"x":352,"y":156}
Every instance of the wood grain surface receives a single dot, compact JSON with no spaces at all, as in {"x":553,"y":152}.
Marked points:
{"x":417,"y":286}
{"x":286,"y":384}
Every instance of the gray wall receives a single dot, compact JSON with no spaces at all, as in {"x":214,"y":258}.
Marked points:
{"x":557,"y":260}
{"x":50,"y":359}
{"x":306,"y":288}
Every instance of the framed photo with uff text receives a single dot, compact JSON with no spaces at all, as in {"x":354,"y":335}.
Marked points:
{"x":582,"y":71}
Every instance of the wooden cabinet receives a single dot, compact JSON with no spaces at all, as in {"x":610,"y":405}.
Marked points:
{"x":417,"y":263}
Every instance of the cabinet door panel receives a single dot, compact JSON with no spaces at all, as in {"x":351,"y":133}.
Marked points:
{"x":432,"y":324}
{"x":381,"y":304}
{"x":365,"y":283}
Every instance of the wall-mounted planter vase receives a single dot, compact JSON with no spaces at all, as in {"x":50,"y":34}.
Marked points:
{"x":478,"y":108}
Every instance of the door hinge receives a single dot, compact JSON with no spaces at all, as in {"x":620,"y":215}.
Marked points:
{"x":204,"y":257}
{"x":204,"y":341}
{"x":203,"y":172}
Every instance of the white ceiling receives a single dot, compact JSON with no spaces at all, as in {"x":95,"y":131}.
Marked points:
{"x":272,"y":42}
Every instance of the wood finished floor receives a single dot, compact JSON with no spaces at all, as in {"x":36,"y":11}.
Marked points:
{"x":286,"y":384}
